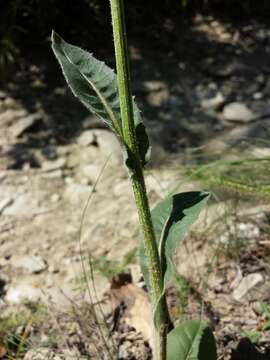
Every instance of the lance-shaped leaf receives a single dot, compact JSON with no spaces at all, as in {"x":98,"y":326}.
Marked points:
{"x":171,"y":219}
{"x":95,"y":85}
{"x":192,"y":340}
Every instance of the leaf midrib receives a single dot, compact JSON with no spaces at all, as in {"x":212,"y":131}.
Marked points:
{"x":107,"y":107}
{"x":195,"y":337}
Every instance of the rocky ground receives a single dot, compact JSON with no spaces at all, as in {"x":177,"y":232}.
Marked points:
{"x":205,"y":102}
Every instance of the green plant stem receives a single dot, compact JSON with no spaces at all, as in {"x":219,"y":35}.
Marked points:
{"x":137,"y":178}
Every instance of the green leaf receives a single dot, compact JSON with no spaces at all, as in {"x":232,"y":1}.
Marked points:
{"x":266,"y":326}
{"x":90,"y":80}
{"x":95,"y":85}
{"x":253,"y":335}
{"x":171,"y":219}
{"x":192,"y":340}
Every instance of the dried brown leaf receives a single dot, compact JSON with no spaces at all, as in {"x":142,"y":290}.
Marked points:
{"x":138,"y":308}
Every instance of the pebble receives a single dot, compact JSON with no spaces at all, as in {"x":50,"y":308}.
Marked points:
{"x":19,"y":293}
{"x":154,"y":85}
{"x":55,"y":174}
{"x":54,"y":165}
{"x":23,"y":206}
{"x":33,"y":263}
{"x":23,"y":124}
{"x":261,"y":152}
{"x":91,"y":172}
{"x":78,"y":193}
{"x":247,"y":230}
{"x":85,"y":181}
{"x":237,"y":111}
{"x":247,"y":284}
{"x":53,"y":269}
{"x":158,"y":98}
{"x":86,"y":138}
{"x":69,"y":180}
{"x":109,"y":146}
{"x":55,"y":198}
{"x":3,"y":94}
{"x":3,"y":175}
{"x":122,"y":188}
{"x":74,"y":159}
{"x":39,"y":354}
{"x":257,"y":96}
{"x":10,"y":116}
{"x":214,"y":102}
{"x":5,"y":203}
{"x":123,"y":350}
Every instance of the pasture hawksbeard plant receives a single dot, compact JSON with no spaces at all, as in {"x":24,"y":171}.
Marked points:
{"x":109,"y":97}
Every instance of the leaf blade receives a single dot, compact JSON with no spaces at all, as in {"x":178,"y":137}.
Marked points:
{"x":177,"y":212}
{"x":81,"y":72}
{"x":192,"y":340}
{"x":95,"y":85}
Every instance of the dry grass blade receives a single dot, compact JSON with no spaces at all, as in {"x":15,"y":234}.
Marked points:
{"x":103,"y":335}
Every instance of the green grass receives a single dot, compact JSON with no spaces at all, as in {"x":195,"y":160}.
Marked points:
{"x":247,"y":177}
{"x":255,"y":335}
{"x":14,"y":329}
{"x":104,"y":267}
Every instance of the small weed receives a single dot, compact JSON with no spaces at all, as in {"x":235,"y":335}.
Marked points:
{"x":105,"y":267}
{"x":15,"y":328}
{"x":109,"y":268}
{"x":265,"y":309}
{"x":255,"y":335}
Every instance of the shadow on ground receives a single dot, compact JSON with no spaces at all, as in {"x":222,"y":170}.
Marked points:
{"x":248,"y":351}
{"x":184,"y":65}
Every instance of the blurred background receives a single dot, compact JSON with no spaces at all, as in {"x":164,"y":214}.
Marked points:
{"x":184,"y":55}
{"x":201,"y":76}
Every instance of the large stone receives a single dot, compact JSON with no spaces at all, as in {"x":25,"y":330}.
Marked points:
{"x":237,"y":111}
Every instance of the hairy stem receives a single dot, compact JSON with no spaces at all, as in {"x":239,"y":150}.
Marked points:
{"x":137,"y":178}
